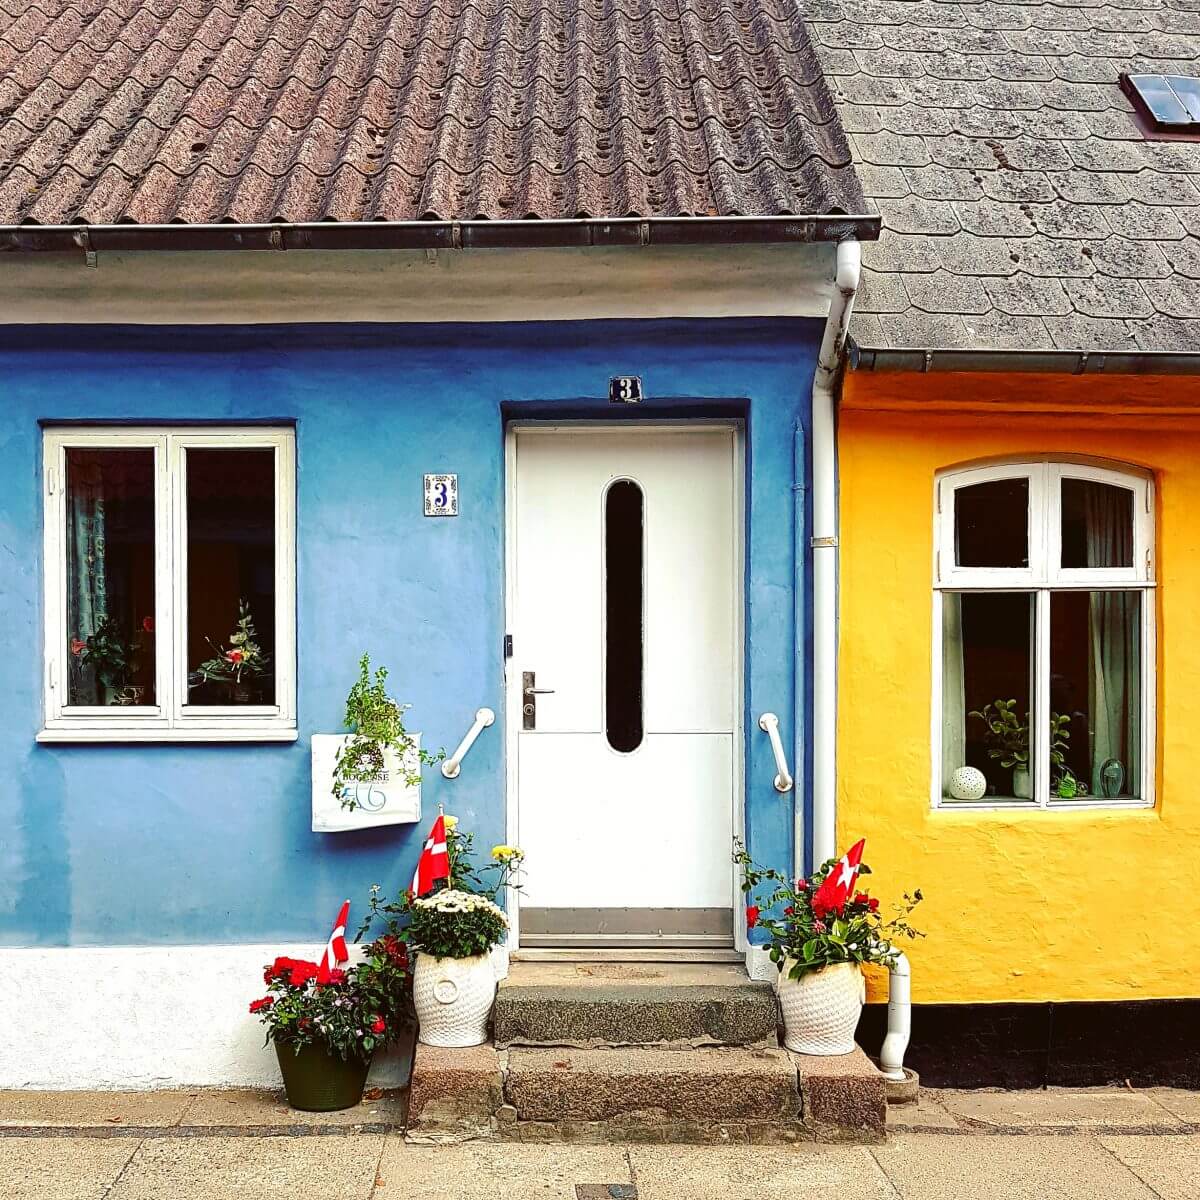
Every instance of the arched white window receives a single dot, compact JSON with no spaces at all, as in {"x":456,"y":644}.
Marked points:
{"x":1044,"y":636}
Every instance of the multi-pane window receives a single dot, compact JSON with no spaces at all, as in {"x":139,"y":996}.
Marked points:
{"x":170,"y":583}
{"x":1044,"y":623}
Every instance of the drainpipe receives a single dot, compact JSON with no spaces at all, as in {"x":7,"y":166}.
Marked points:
{"x":825,"y":555}
{"x":825,"y":579}
{"x":800,"y":666}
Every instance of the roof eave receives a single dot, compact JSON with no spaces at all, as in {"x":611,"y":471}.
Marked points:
{"x":1051,"y":362}
{"x":442,"y":235}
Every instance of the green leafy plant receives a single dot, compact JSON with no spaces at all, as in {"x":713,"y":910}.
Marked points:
{"x":807,"y":933}
{"x":462,"y":919}
{"x":359,"y":1009}
{"x":242,"y":660}
{"x":1007,"y":738}
{"x":376,"y":724}
{"x":109,"y":652}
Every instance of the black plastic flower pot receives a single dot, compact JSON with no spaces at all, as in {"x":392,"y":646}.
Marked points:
{"x":317,"y":1081}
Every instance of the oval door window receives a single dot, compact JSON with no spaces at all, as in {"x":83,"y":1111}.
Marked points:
{"x":624,"y":584}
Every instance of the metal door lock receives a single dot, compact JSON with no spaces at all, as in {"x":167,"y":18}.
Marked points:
{"x":531,"y":693}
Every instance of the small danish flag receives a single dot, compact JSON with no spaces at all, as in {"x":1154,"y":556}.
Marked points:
{"x":335,"y":949}
{"x":838,"y":886}
{"x":434,"y":863}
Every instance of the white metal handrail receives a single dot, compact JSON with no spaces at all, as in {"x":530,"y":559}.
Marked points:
{"x":769,"y":724}
{"x":451,"y":767}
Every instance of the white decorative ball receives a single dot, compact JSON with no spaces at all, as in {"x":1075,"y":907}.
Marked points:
{"x":968,"y":783}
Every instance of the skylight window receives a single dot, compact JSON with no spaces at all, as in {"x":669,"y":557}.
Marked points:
{"x":1167,"y":102}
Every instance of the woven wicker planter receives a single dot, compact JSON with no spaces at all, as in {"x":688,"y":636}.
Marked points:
{"x":821,"y":1009}
{"x":453,"y":998}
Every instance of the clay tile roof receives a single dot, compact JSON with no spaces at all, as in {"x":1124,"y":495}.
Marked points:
{"x":250,"y":111}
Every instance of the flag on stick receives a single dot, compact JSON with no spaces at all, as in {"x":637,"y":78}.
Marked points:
{"x":335,"y":949}
{"x":838,"y":886}
{"x":434,"y":863}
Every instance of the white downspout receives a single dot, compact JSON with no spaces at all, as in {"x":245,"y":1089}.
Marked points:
{"x":825,"y":554}
{"x":825,"y":623}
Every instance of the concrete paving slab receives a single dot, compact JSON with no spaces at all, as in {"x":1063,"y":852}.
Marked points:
{"x":95,"y":1109}
{"x":499,"y":1171}
{"x":61,"y":1168}
{"x":251,"y":1168}
{"x":763,"y":1173}
{"x":927,"y":1114}
{"x":1004,"y":1167}
{"x":249,"y":1107}
{"x":1178,"y":1101}
{"x":1060,"y":1108}
{"x":1170,"y":1165}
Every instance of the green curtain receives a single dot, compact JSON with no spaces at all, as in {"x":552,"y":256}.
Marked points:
{"x":87,"y":567}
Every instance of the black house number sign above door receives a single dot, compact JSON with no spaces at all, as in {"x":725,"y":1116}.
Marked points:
{"x":625,"y":389}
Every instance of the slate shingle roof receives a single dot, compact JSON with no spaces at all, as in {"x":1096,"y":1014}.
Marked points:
{"x":1022,"y":206}
{"x":157,"y":111}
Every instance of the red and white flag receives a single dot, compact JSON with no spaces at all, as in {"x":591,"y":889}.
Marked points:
{"x":838,"y":886}
{"x":434,"y":863}
{"x":335,"y":949}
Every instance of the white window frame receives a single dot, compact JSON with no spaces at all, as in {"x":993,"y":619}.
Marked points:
{"x":170,"y":719}
{"x":1043,"y":576}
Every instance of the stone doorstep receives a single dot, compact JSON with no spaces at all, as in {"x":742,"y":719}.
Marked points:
{"x":707,"y":1096}
{"x":598,"y":1005}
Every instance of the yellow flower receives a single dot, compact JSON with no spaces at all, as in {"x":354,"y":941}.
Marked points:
{"x":505,"y":854}
{"x":450,"y":822}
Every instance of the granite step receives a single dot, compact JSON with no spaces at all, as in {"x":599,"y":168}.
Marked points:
{"x":634,"y":1004}
{"x":653,"y":1086}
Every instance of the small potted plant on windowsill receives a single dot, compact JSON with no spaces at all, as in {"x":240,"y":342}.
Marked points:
{"x":452,"y":932}
{"x":114,"y":658}
{"x":241,"y":668}
{"x":1007,"y":738}
{"x":325,"y":1035}
{"x":821,"y":929}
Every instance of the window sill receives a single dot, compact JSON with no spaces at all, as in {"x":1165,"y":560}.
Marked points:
{"x":1027,"y":806}
{"x":200,"y":733}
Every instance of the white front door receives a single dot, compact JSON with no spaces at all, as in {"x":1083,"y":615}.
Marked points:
{"x":623,"y":682}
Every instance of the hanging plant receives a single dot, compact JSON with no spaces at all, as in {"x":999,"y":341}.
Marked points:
{"x":376,"y":724}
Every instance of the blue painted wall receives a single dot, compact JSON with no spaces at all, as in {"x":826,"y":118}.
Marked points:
{"x":176,"y":843}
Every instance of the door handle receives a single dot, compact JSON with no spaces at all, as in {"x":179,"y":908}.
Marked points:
{"x":530,"y":693}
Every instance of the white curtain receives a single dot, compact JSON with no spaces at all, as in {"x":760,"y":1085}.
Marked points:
{"x":954,"y":699}
{"x":1114,"y":669}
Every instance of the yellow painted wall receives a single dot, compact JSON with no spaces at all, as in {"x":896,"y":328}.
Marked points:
{"x":1084,"y":905}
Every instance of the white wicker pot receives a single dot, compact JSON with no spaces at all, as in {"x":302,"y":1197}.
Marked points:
{"x":821,"y":1008}
{"x":453,"y":998}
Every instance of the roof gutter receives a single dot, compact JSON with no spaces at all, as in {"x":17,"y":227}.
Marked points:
{"x":440,"y":235}
{"x":1047,"y":362}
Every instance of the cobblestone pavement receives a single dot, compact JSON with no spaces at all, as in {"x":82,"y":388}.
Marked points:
{"x":213,"y":1145}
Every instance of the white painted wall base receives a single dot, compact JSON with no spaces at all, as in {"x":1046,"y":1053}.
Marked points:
{"x":759,"y":965}
{"x":140,"y":1017}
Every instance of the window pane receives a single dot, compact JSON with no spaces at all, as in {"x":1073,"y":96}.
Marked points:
{"x":623,"y":520}
{"x":110,"y":576}
{"x":1097,"y":524}
{"x":987,"y":693}
{"x":231,"y":576}
{"x":991,"y":524}
{"x":1096,"y":685}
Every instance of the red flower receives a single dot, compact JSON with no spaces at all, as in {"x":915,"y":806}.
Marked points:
{"x":78,"y":646}
{"x":301,"y":973}
{"x":751,"y":916}
{"x":259,"y":1005}
{"x":789,"y":911}
{"x":378,"y":1025}
{"x":234,"y":656}
{"x":861,"y":897}
{"x":873,"y":904}
{"x":147,"y":624}
{"x":802,"y":885}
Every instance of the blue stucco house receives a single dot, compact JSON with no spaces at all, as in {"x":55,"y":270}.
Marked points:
{"x":248,"y":312}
